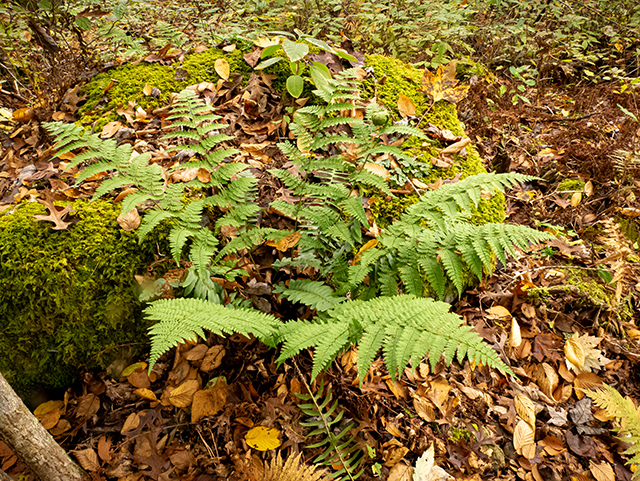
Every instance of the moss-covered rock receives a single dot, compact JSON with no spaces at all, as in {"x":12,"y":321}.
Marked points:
{"x":67,"y":298}
{"x":117,"y":87}
{"x":404,"y":79}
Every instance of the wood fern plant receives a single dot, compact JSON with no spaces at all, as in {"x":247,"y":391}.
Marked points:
{"x":366,"y":294}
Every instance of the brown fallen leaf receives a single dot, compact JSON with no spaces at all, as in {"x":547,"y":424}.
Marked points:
{"x":208,"y":402}
{"x":406,"y":106}
{"x":130,"y":221}
{"x":88,"y":459}
{"x":110,"y":129}
{"x":56,"y":213}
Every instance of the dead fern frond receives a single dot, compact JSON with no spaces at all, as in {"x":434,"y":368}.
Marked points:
{"x":627,"y":414}
{"x":294,"y":469}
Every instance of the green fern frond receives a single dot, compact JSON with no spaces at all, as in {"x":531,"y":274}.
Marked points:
{"x":316,"y":295}
{"x":184,"y":319}
{"x":339,"y":449}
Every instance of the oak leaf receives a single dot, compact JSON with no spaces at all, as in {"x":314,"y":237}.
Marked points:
{"x":56,"y":214}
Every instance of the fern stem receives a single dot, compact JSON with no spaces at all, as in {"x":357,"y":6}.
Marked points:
{"x":324,"y":420}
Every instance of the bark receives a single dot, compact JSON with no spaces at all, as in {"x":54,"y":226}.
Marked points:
{"x":4,"y":476}
{"x":31,"y":442}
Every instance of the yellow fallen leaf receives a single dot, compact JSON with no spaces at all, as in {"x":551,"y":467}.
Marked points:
{"x":499,"y":312}
{"x":263,"y":438}
{"x":526,"y":409}
{"x":182,"y":396}
{"x":602,"y":471}
{"x":576,"y":198}
{"x":145,"y":394}
{"x":147,"y":89}
{"x":574,"y":352}
{"x":286,"y":242}
{"x":221,"y":67}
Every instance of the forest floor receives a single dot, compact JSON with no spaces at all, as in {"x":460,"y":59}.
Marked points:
{"x":584,"y":284}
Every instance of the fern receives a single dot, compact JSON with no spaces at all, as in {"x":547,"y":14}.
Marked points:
{"x":339,"y":449}
{"x":184,"y":319}
{"x":435,"y":242}
{"x":232,"y":188}
{"x":627,"y":414}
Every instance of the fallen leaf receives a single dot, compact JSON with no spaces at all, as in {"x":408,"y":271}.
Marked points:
{"x":56,"y":214}
{"x":213,"y":358}
{"x":49,"y":413}
{"x":221,"y":67}
{"x":182,"y":396}
{"x":104,"y":448}
{"x":576,"y":198}
{"x":406,"y":106}
{"x":130,"y":221}
{"x":588,"y":189}
{"x":427,"y":470}
{"x":602,"y":471}
{"x":377,"y":169}
{"x":515,"y":339}
{"x":263,"y":438}
{"x":110,"y":129}
{"x":456,"y":147}
{"x":145,"y":394}
{"x":574,"y":353}
{"x":23,"y":115}
{"x":442,"y":84}
{"x":88,"y":459}
{"x":286,"y":243}
{"x":524,"y":440}
{"x":526,"y":409}
{"x":147,"y":89}
{"x":208,"y":402}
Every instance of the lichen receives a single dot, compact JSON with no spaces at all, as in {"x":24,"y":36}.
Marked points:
{"x":67,"y":297}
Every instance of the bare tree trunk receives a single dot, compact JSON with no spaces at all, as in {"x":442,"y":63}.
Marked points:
{"x":4,"y":476}
{"x":31,"y":442}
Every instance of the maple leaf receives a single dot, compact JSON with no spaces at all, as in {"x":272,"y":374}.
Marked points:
{"x":442,"y":84}
{"x":56,"y":214}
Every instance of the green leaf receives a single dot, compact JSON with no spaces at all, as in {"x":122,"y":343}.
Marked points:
{"x":319,"y":74}
{"x":319,"y":43}
{"x":295,"y":85}
{"x":295,"y":51}
{"x":267,"y":63}
{"x":269,"y":51}
{"x":344,"y":55}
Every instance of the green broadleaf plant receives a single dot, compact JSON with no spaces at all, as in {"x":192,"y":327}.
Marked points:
{"x":295,"y":52}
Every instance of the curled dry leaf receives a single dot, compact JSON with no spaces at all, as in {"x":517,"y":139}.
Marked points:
{"x":526,"y":409}
{"x":130,"y":221}
{"x":574,"y":353}
{"x":524,"y":440}
{"x":515,"y":339}
{"x":588,"y":189}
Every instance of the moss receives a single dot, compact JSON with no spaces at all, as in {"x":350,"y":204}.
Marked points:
{"x":128,"y":81}
{"x":589,"y":285}
{"x":403,"y":78}
{"x":201,"y":66}
{"x":66,"y":297}
{"x":571,"y":185}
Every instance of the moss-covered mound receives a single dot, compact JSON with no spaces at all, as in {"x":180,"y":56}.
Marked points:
{"x":402,"y":78}
{"x":67,"y":298}
{"x":117,"y":87}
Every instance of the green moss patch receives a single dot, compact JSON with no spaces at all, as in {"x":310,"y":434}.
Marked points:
{"x":67,"y":298}
{"x":117,"y":87}
{"x":402,"y":78}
